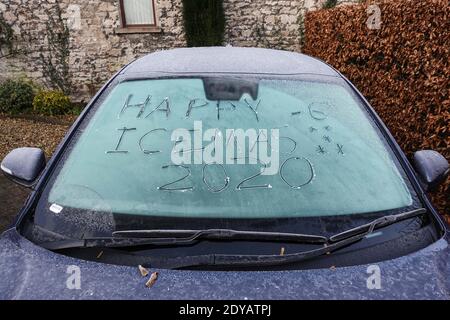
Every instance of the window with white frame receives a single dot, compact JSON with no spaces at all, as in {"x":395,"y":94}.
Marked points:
{"x":137,"y":13}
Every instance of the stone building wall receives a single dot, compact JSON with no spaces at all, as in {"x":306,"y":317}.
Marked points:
{"x":269,"y":24}
{"x":273,"y":24}
{"x":97,"y":50}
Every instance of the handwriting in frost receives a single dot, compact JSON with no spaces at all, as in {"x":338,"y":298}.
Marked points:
{"x":211,"y":155}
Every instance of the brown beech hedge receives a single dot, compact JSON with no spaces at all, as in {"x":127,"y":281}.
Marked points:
{"x":402,"y":68}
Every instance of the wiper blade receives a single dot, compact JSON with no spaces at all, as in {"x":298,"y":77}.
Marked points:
{"x":95,"y":242}
{"x":377,"y":223}
{"x":158,"y":237}
{"x":334,"y":243}
{"x":190,"y":236}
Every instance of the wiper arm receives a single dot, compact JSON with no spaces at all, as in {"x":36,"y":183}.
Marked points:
{"x":190,"y":236}
{"x":236,"y":260}
{"x":334,"y":243}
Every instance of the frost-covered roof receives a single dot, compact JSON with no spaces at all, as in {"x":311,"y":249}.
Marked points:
{"x":228,"y":60}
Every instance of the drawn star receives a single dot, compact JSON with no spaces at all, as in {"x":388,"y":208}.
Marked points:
{"x":340,"y":148}
{"x":321,"y":149}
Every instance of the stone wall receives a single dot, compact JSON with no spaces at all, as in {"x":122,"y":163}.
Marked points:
{"x":97,"y":50}
{"x":273,"y":24}
{"x":269,"y":24}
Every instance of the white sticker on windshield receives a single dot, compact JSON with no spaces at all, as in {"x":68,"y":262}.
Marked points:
{"x":56,"y":208}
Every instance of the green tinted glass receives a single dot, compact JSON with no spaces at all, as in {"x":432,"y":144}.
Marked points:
{"x":330,"y":159}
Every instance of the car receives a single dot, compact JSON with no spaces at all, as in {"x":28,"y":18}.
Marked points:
{"x":226,"y":173}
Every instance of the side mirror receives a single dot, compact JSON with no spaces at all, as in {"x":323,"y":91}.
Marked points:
{"x":23,"y":165}
{"x":432,"y":167}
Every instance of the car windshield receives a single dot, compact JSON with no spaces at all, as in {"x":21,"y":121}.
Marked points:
{"x":225,"y":148}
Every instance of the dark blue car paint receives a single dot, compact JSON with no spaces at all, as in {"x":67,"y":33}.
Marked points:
{"x":31,"y":272}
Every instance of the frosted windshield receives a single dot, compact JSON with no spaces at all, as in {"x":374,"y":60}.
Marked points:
{"x":331,"y":160}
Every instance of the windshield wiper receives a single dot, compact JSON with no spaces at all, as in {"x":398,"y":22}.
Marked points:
{"x":129,"y":238}
{"x":161,"y":237}
{"x":333,"y":243}
{"x":377,"y":224}
{"x":190,"y":236}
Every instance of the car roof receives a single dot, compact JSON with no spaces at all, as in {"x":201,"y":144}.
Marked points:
{"x":236,"y":60}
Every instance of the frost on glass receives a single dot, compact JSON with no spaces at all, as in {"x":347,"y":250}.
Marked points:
{"x":333,"y":162}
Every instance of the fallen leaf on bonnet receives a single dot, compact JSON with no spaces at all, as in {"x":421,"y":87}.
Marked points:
{"x":152,"y":280}
{"x":143,"y":271}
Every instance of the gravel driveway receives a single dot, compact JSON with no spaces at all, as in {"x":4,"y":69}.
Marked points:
{"x":44,"y":133}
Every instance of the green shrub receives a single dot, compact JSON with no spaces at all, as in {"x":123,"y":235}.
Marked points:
{"x":16,"y":96}
{"x":76,"y":108}
{"x":329,"y":4}
{"x":204,"y":22}
{"x":52,"y":102}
